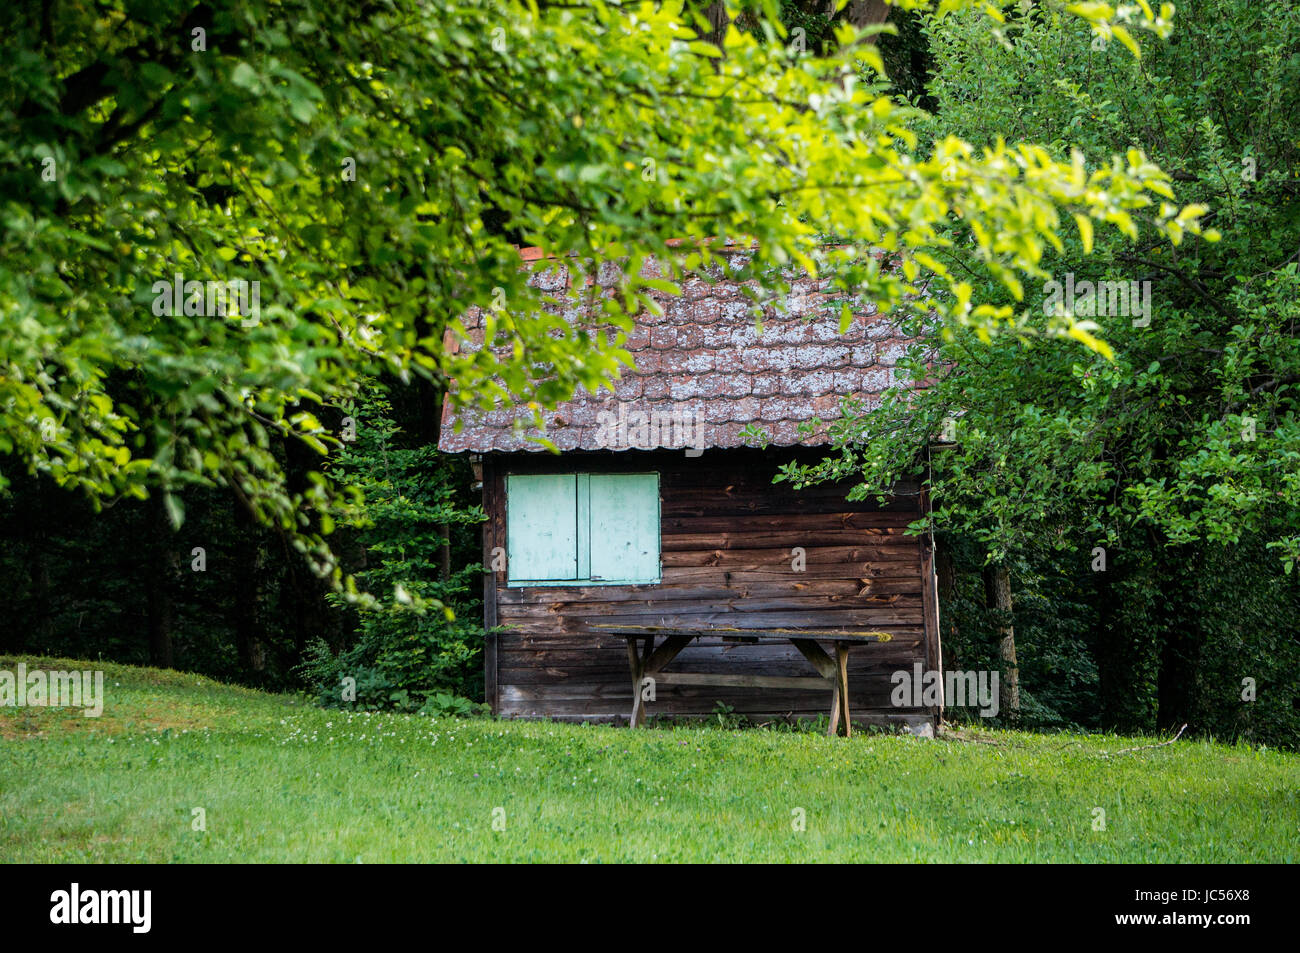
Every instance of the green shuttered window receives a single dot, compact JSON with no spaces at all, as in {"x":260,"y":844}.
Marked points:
{"x":582,"y":529}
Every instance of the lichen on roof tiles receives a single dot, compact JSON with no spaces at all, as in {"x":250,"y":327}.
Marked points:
{"x":705,"y":360}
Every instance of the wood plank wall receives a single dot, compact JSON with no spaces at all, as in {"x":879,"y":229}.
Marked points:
{"x":727,"y":536}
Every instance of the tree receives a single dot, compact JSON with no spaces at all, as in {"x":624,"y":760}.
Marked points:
{"x":404,"y":655}
{"x":1189,"y":437}
{"x":219,"y":218}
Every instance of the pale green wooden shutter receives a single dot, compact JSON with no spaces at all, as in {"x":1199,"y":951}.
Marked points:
{"x":624,"y":527}
{"x":541,"y":527}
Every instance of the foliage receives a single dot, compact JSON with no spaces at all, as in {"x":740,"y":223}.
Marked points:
{"x":1236,"y":616}
{"x":1188,"y":441}
{"x":724,"y":716}
{"x":420,"y":650}
{"x":81,"y":583}
{"x":1054,"y":616}
{"x":1192,"y":427}
{"x":374,"y":168}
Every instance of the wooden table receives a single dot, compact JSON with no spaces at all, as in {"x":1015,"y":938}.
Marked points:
{"x":832,"y":673}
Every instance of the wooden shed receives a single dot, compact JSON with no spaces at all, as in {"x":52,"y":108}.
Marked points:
{"x":654,"y":552}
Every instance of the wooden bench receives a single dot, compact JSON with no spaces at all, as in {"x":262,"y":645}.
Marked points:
{"x":832,"y":673}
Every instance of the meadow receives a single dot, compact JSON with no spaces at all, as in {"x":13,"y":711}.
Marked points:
{"x":180,"y":768}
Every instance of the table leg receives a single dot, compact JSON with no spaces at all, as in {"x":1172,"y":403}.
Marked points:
{"x":637,"y":663}
{"x":842,"y":685}
{"x":833,"y":728}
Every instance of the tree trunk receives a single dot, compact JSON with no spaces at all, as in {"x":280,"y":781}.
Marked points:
{"x":444,"y":529}
{"x":945,"y":570}
{"x":1180,"y":637}
{"x":1176,"y":679}
{"x":42,"y":604}
{"x":716,"y":14}
{"x":858,"y":13}
{"x":1127,"y":649}
{"x":160,"y":569}
{"x":247,"y":599}
{"x":862,"y":13}
{"x":33,"y":518}
{"x":1111,"y":660}
{"x":997,"y":595}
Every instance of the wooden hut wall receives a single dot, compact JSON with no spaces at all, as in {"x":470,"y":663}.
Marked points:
{"x":727,"y":538}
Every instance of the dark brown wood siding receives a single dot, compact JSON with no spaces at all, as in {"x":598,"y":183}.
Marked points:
{"x":727,"y":536}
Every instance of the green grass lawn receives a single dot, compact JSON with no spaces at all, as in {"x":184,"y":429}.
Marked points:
{"x":282,"y":781}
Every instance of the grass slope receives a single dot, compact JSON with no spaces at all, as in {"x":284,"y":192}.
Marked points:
{"x":281,"y":781}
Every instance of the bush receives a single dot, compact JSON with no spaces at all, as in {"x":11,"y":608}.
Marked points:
{"x":418,"y":643}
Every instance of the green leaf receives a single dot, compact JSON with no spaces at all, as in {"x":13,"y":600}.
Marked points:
{"x":175,"y":510}
{"x":245,"y":77}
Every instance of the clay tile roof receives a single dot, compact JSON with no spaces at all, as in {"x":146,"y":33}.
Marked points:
{"x":704,"y":373}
